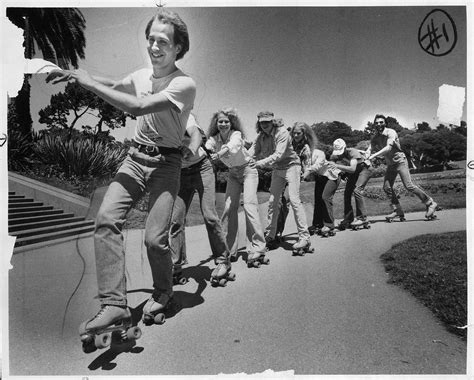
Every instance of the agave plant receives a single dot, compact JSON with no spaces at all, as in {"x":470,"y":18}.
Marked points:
{"x":80,"y":156}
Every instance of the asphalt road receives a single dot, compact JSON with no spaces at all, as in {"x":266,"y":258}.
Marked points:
{"x":331,"y":312}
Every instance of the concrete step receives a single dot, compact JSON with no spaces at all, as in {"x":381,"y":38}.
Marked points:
{"x":13,"y":206}
{"x":24,"y":214}
{"x":28,"y":209}
{"x":12,"y":197}
{"x":24,"y":241}
{"x":15,"y":201}
{"x":44,"y":223}
{"x":56,"y":230}
{"x":40,"y":218}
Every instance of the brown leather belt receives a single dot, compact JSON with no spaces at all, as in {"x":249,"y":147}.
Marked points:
{"x":153,"y":150}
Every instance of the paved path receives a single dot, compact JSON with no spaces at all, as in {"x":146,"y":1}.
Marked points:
{"x":331,"y":312}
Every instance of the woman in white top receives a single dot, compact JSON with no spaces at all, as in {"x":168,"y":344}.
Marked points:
{"x":226,"y":142}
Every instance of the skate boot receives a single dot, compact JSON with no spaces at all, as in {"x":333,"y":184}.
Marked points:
{"x":360,"y":223}
{"x":327,"y":231}
{"x":397,"y":213}
{"x":271,"y":243}
{"x":255,"y":259}
{"x":154,"y":310}
{"x":97,"y":332}
{"x":430,"y":210}
{"x":221,"y":274}
{"x":301,"y":247}
{"x":178,"y":278}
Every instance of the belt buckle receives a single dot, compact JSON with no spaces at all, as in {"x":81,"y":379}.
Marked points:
{"x":150,"y":149}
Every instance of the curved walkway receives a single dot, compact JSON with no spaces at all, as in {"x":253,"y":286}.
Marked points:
{"x":331,"y":312}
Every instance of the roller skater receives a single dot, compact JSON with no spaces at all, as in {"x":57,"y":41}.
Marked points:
{"x":396,"y":213}
{"x":221,"y":274}
{"x":301,"y":247}
{"x":386,"y":143}
{"x":154,"y":310}
{"x":97,"y":332}
{"x":255,"y":259}
{"x":430,"y":210}
{"x":273,"y":148}
{"x":327,"y":231}
{"x":360,"y":223}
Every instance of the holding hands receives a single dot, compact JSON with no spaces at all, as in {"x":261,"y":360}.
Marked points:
{"x":80,"y":76}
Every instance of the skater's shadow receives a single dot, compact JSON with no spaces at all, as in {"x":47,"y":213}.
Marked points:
{"x":287,"y":241}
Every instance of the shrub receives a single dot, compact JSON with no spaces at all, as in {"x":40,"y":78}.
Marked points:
{"x":20,"y":151}
{"x":75,"y":154}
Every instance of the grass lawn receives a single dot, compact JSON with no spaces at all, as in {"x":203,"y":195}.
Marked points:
{"x":433,"y":268}
{"x":448,"y":188}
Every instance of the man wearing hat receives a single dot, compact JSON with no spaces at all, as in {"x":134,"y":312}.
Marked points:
{"x":351,"y":161}
{"x":273,"y":149}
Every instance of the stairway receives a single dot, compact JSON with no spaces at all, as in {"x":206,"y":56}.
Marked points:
{"x":33,"y":222}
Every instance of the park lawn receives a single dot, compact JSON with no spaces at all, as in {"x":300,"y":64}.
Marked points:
{"x":433,"y":268}
{"x":447,"y":188}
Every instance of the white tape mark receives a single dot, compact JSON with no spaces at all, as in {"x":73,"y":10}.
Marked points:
{"x":451,"y":103}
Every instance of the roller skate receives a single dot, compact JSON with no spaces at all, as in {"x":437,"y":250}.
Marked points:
{"x":397,"y":213}
{"x":154,"y":310}
{"x":255,"y":259}
{"x":327,"y":231}
{"x":314,"y":230}
{"x":178,"y":278}
{"x":430,"y":210}
{"x":271,"y":243}
{"x":221,"y":274}
{"x":97,"y":332}
{"x":302,"y":247}
{"x":360,"y":223}
{"x":343,"y":225}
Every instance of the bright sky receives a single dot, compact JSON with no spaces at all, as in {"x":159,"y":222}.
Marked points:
{"x":307,"y":64}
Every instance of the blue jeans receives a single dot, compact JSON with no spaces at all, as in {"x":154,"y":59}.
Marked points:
{"x":130,"y":182}
{"x":197,"y":178}
{"x":280,"y":177}
{"x":389,"y":179}
{"x":247,"y":178}
{"x":355,"y":184}
{"x":324,"y":190}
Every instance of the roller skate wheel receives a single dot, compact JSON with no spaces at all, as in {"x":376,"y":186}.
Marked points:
{"x":86,"y":338}
{"x":103,"y":340}
{"x":134,"y":333}
{"x":231,"y":276}
{"x":182,"y":281}
{"x":266,"y":261}
{"x":222,"y":282}
{"x":249,"y":264}
{"x":147,"y":319}
{"x":159,"y":318}
{"x":88,"y":347}
{"x":256,"y":264}
{"x":367,"y":227}
{"x":311,"y":250}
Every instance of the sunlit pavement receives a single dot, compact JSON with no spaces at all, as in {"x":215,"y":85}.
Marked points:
{"x":331,"y":312}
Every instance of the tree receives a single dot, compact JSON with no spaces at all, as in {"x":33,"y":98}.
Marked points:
{"x":59,"y":34}
{"x":327,"y":132}
{"x":80,"y":102}
{"x":423,"y":127}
